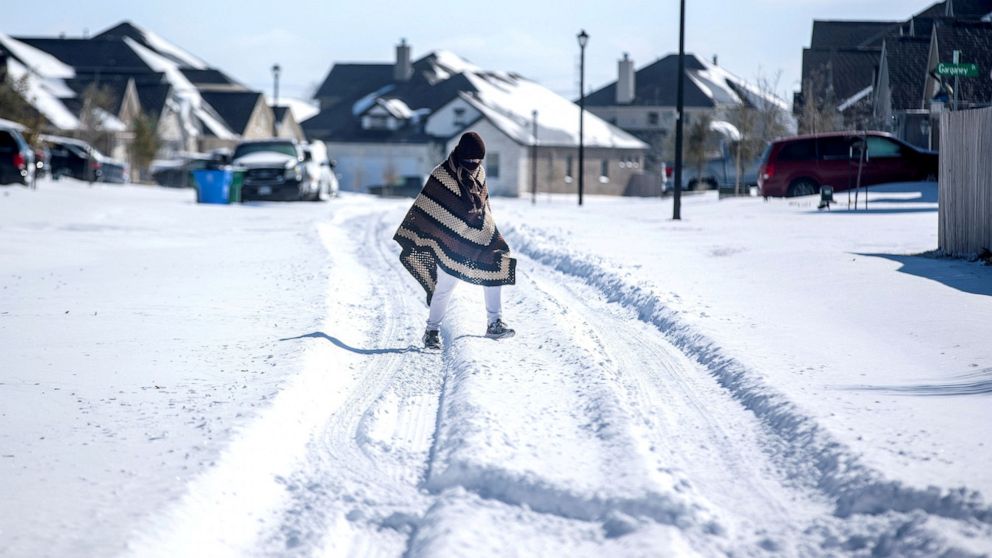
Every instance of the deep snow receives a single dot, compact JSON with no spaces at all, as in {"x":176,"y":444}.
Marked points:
{"x":759,"y":378}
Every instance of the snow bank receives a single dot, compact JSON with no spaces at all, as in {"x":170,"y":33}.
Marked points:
{"x":854,"y":487}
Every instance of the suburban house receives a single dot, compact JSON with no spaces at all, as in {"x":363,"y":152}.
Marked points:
{"x":876,"y":74}
{"x":135,"y":72}
{"x":643,"y":102}
{"x":389,"y":123}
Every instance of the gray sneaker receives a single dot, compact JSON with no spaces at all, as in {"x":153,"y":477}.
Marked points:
{"x":432,"y":340}
{"x":498,"y":330}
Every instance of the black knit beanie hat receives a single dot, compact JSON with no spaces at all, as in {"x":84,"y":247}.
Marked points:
{"x":470,"y":146}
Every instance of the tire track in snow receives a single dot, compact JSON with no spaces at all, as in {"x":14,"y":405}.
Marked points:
{"x":359,"y":492}
{"x":912,"y":517}
{"x":690,"y":423}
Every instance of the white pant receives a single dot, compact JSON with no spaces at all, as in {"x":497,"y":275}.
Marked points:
{"x":442,"y":295}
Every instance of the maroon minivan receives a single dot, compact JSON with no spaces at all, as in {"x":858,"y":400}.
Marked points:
{"x":799,"y":166}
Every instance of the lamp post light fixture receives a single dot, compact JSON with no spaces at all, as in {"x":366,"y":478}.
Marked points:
{"x":275,"y":97}
{"x":583,"y":38}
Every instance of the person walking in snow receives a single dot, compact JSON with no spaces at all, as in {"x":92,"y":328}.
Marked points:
{"x":449,"y":235}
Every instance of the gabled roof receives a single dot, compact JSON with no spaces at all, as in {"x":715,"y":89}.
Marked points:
{"x":208,"y":76}
{"x":91,"y":54}
{"x":971,"y":9}
{"x":847,"y":71}
{"x":439,"y":78}
{"x":906,"y":60}
{"x":507,"y":101}
{"x":848,"y":34}
{"x":706,"y":85}
{"x":114,"y":89}
{"x":280,"y":113}
{"x":435,"y":82}
{"x":350,"y":81}
{"x":655,"y":85}
{"x":153,"y":97}
{"x":235,"y":107}
{"x":153,"y":41}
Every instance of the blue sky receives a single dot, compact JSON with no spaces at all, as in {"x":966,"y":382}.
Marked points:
{"x":536,"y":39}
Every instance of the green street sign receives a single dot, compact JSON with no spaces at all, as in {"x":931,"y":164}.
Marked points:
{"x":959,"y":70}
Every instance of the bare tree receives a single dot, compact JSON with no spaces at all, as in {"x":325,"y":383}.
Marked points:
{"x":15,"y":105}
{"x":695,"y":145}
{"x":97,"y":105}
{"x":818,"y":111}
{"x":145,"y":145}
{"x":747,"y":147}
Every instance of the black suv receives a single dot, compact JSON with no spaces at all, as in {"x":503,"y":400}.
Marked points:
{"x":16,"y":157}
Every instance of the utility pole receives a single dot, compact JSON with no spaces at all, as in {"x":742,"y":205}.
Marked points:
{"x":679,"y":120}
{"x":957,"y":59}
{"x":583,"y":40}
{"x":275,"y":98}
{"x":533,"y":163}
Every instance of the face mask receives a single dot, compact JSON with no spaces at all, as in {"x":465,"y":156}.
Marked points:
{"x":471,"y":164}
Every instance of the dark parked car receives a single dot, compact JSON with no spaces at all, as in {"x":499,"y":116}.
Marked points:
{"x":16,"y":157}
{"x":109,"y":169}
{"x":72,"y":158}
{"x":799,"y":166}
{"x":177,"y":173}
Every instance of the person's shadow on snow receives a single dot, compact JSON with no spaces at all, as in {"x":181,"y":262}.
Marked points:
{"x":342,"y":345}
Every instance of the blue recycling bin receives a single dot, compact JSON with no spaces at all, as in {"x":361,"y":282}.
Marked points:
{"x":212,"y":186}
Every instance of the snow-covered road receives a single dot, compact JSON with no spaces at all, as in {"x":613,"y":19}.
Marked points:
{"x":607,"y":426}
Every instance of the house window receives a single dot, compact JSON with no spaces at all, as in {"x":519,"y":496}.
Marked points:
{"x":568,"y":168}
{"x":459,"y":116}
{"x":492,"y":165}
{"x":653,"y":118}
{"x":604,"y":169}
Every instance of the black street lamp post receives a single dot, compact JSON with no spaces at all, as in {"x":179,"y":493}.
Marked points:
{"x":680,"y":118}
{"x":583,"y":40}
{"x":275,"y":97}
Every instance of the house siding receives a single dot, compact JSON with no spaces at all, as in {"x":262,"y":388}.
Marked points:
{"x":360,"y":165}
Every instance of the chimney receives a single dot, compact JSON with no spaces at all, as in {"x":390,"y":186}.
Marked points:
{"x":625,"y":83}
{"x":714,"y":61}
{"x":403,"y":70}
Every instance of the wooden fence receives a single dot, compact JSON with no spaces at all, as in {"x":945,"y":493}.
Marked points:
{"x":965,"y":214}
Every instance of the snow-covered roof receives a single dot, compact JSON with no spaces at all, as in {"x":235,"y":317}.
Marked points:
{"x":366,"y":102}
{"x":726,"y":88}
{"x":184,"y":89}
{"x":850,"y":101}
{"x":42,"y":94}
{"x":38,"y":61}
{"x":508,"y":101}
{"x":725,"y":128}
{"x":156,"y":43}
{"x":44,"y":76}
{"x":396,"y":108}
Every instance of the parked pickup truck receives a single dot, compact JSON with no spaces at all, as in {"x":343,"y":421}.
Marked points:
{"x":278,"y":169}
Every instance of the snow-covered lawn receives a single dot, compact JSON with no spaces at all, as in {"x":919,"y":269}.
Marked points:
{"x":759,"y":378}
